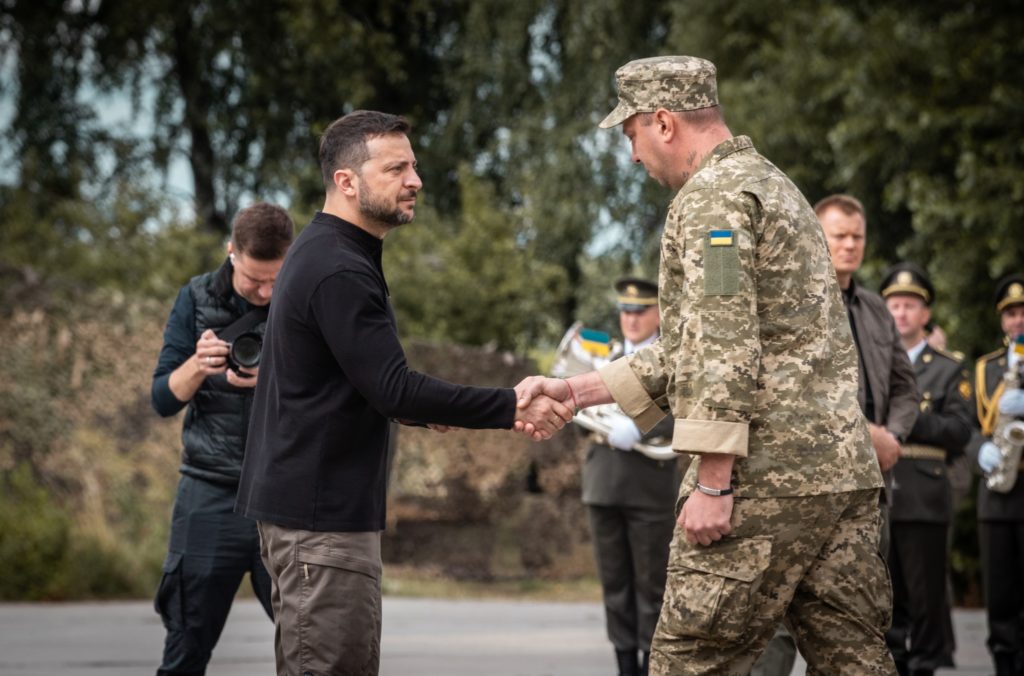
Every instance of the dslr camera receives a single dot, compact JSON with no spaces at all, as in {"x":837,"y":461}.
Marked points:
{"x":245,"y":352}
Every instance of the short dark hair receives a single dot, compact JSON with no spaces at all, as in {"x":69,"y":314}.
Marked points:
{"x":848,"y":204}
{"x":262,"y":231}
{"x":343,"y":144}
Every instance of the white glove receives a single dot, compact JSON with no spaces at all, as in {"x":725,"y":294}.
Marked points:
{"x":1012,"y":403}
{"x":988,"y":457}
{"x":623,"y":433}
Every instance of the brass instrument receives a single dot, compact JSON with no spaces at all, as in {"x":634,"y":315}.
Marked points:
{"x":1008,"y":433}
{"x":578,"y":353}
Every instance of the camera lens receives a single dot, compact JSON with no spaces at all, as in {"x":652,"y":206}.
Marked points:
{"x":246,"y":349}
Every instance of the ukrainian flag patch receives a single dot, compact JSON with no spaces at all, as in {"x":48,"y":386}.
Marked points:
{"x":720,"y":238}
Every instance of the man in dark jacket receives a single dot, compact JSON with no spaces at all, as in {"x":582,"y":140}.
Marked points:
{"x":334,"y":373}
{"x":211,"y":547}
{"x":631,"y":498}
{"x":922,"y":497}
{"x":1001,"y":513}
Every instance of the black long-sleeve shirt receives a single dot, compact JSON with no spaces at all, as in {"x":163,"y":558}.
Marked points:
{"x":332,"y":373}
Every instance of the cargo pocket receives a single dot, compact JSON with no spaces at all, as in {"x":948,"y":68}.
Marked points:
{"x":710,"y":591}
{"x":341,"y":593}
{"x":168,"y":602}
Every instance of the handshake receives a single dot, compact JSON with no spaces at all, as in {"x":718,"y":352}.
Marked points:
{"x":544,"y":406}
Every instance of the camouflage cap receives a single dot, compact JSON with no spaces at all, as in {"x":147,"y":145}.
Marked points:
{"x":675,"y":83}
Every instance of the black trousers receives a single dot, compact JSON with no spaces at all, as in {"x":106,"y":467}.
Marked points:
{"x":917,"y":565}
{"x":211,"y":549}
{"x":1002,"y":559}
{"x":631,"y":546}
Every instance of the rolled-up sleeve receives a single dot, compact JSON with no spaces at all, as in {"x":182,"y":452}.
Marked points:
{"x":719,"y":361}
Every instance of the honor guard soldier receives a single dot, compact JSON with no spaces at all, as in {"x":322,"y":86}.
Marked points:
{"x":630,"y":499}
{"x":922,"y":499}
{"x":1001,"y":514}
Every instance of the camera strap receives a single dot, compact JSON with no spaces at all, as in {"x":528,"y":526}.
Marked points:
{"x":245,"y":323}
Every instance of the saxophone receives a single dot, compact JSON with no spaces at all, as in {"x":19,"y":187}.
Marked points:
{"x":1008,"y":433}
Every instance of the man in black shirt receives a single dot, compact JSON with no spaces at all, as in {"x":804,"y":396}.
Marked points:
{"x":333,"y":374}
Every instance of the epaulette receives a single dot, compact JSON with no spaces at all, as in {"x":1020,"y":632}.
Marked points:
{"x":958,"y":357}
{"x":995,"y":354}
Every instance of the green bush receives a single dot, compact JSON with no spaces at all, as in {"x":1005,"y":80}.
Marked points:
{"x":34,"y":537}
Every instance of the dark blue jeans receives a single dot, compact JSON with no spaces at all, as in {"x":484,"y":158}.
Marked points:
{"x":211,"y":549}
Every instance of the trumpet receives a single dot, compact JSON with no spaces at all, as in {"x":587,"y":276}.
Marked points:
{"x":581,"y":351}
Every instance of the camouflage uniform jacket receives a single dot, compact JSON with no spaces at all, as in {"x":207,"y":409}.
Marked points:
{"x":756,"y":358}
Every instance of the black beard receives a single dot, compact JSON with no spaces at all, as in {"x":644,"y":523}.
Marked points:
{"x":379,"y":210}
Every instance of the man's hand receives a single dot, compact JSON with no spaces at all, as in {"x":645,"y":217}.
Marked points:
{"x":1012,"y":403}
{"x":887,"y":448}
{"x":623,"y":433}
{"x":705,"y":518}
{"x":534,"y":386}
{"x":989,"y":457}
{"x":211,"y":353}
{"x":242,"y":381}
{"x":542,"y":417}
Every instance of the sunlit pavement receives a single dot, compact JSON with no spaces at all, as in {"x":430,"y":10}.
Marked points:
{"x":421,"y":637}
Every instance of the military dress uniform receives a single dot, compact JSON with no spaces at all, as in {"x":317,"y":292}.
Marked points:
{"x":756,"y":360}
{"x":630,"y":499}
{"x":921,"y":512}
{"x":1000,"y":515}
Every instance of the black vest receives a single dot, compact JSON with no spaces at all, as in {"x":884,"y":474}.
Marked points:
{"x":217,"y":418}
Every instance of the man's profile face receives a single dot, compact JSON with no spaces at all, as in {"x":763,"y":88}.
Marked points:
{"x":845,"y":234}
{"x":1012,"y":320}
{"x":388,"y":181}
{"x":910,"y":313}
{"x":252,"y":278}
{"x":639,"y":326}
{"x":643,"y":149}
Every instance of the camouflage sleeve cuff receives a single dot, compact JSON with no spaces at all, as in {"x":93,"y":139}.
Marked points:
{"x":630,"y":394}
{"x":710,"y":436}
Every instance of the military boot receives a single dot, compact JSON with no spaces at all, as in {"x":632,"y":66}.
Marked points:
{"x":628,"y":666}
{"x":645,"y":662}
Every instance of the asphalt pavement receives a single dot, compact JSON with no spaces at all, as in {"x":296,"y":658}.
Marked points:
{"x":421,"y":637}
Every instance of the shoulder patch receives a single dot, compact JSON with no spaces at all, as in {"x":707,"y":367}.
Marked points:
{"x":964,"y":389}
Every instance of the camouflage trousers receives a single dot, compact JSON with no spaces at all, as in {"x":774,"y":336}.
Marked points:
{"x":813,"y":561}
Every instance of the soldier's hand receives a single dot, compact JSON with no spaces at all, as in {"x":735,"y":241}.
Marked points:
{"x":1012,"y":403}
{"x":989,"y":457}
{"x":706,"y":518}
{"x":887,"y":448}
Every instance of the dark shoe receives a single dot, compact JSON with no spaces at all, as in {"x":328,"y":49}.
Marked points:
{"x":902,"y":668}
{"x":1005,"y":664}
{"x":645,"y":662}
{"x":628,"y":666}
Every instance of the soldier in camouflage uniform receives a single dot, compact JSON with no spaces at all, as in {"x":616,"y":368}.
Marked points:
{"x":921,"y":513}
{"x":778,"y":514}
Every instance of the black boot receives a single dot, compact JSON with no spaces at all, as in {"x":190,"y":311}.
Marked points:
{"x":902,"y":668}
{"x":645,"y":662}
{"x":1005,"y":664}
{"x":628,"y":665}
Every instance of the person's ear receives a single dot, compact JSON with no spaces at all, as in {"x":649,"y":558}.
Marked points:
{"x":667,"y":124}
{"x":346,"y":182}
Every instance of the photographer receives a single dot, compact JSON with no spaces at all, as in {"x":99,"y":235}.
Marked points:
{"x":211,"y":548}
